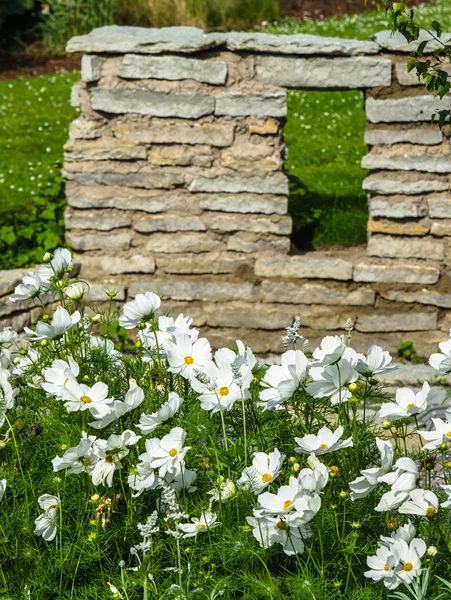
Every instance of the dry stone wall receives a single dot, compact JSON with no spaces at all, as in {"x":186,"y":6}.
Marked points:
{"x":175,"y":183}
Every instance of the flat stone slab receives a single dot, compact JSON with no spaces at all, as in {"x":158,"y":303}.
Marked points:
{"x":405,"y":110}
{"x":173,"y":68}
{"x":397,"y":42}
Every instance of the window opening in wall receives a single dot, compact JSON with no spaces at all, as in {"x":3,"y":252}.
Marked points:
{"x":324,"y":135}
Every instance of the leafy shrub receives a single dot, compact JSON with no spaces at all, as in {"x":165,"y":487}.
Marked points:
{"x":168,"y":472}
{"x":19,"y":21}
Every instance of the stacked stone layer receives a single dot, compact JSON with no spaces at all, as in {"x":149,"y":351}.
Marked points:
{"x":175,"y":184}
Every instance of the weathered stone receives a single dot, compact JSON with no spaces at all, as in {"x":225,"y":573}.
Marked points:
{"x":9,"y":279}
{"x":382,"y":185}
{"x":401,"y":321}
{"x":198,"y":156}
{"x":307,"y":266}
{"x":96,"y":241}
{"x":413,"y":135}
{"x":125,"y":174}
{"x":299,"y":44}
{"x":441,"y":229}
{"x":313,"y":293}
{"x":173,"y":68}
{"x":245,"y":156}
{"x":176,"y":132}
{"x":207,"y":262}
{"x":75,"y":95}
{"x":103,"y":149}
{"x":397,"y":207}
{"x":8,"y":308}
{"x":274,"y":184}
{"x":352,"y":73}
{"x":407,"y":162}
{"x":391,"y":247}
{"x":421,"y":297}
{"x":97,"y":291}
{"x":143,"y":40}
{"x":174,"y":243}
{"x":196,"y":289}
{"x":393,"y":228}
{"x":257,"y":104}
{"x":411,"y":78}
{"x":90,"y":68}
{"x":404,"y":110}
{"x":324,"y":318}
{"x":169,"y":222}
{"x":264,"y":126}
{"x":84,"y":129}
{"x":245,"y":241}
{"x":245,"y":203}
{"x":279,"y":225}
{"x":395,"y":273}
{"x":439,"y":208}
{"x":99,"y":219}
{"x":156,"y":104}
{"x":116,"y":265}
{"x":240,"y":314}
{"x":396,"y":42}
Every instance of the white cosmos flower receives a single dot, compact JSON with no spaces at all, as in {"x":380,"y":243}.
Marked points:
{"x":383,"y":567}
{"x":148,"y":423}
{"x":315,"y":479}
{"x":168,"y":454}
{"x":142,"y":478}
{"x":181,"y":481}
{"x":405,"y":532}
{"x":206,"y":522}
{"x":407,"y":404}
{"x":186,"y":357}
{"x":245,"y":356}
{"x":30,"y":287}
{"x":8,"y":336}
{"x":264,"y":469}
{"x":280,"y":382}
{"x":324,"y":442}
{"x":409,"y":558}
{"x":56,"y":268}
{"x":58,"y":375}
{"x":280,"y":503}
{"x":133,"y":398}
{"x":330,"y":350}
{"x":108,"y":454}
{"x":78,"y":396}
{"x":140,"y":310}
{"x":376,"y":362}
{"x":402,"y":481}
{"x":7,"y":394}
{"x":72,"y":459}
{"x":447,"y":490}
{"x":332,"y":381}
{"x":441,"y":435}
{"x":223,"y":492}
{"x":2,"y":488}
{"x":421,"y":502}
{"x":61,"y":322}
{"x":369,"y":479}
{"x":442,"y":361}
{"x":75,"y":291}
{"x":168,"y":330}
{"x":105,"y":347}
{"x":274,"y":530}
{"x":45,"y":524}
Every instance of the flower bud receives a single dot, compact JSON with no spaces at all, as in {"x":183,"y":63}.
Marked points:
{"x":44,"y":343}
{"x":46,"y":318}
{"x":392,"y":524}
{"x":111,"y":293}
{"x":353,"y":387}
{"x":432,"y":551}
{"x":343,"y":494}
{"x":386,"y":424}
{"x":356,"y":525}
{"x":447,"y":464}
{"x":296,"y":467}
{"x":334,"y":471}
{"x":47,"y":257}
{"x":75,"y":291}
{"x":93,"y":522}
{"x":60,"y":284}
{"x":95,"y":498}
{"x":64,"y":446}
{"x":138,"y":344}
{"x":292,"y":459}
{"x":96,"y":318}
{"x":141,"y":326}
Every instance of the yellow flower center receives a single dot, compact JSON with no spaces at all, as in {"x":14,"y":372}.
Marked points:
{"x":281,"y":524}
{"x":85,"y":399}
{"x":108,"y":458}
{"x":173,"y":452}
{"x":386,"y":567}
{"x":334,"y":469}
{"x":87,"y":462}
{"x":287,"y":504}
{"x":448,"y":434}
{"x":224,"y":391}
{"x":325,"y":446}
{"x":200,"y":526}
{"x":266,"y":477}
{"x":431,"y":512}
{"x":408,"y":566}
{"x":66,"y":380}
{"x":411,"y":405}
{"x":188,"y":360}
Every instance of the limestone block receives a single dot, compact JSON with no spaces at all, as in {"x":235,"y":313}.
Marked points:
{"x":393,"y":228}
{"x":240,"y":314}
{"x":420,"y":297}
{"x":415,"y":135}
{"x":101,"y":220}
{"x":156,"y":104}
{"x":264,"y":126}
{"x":103,"y":149}
{"x":439,"y":208}
{"x":307,"y":266}
{"x":128,"y":174}
{"x":274,"y":184}
{"x":404,"y":110}
{"x":324,"y":318}
{"x":257,"y":104}
{"x":392,"y":247}
{"x":174,"y":243}
{"x":395,"y":207}
{"x":198,"y":156}
{"x":380,"y":184}
{"x":314,"y":293}
{"x":245,"y":156}
{"x":85,"y":129}
{"x":175,"y":132}
{"x":400,"y":321}
{"x":75,"y":95}
{"x":196,"y":289}
{"x":80,"y":240}
{"x":352,"y":73}
{"x":173,"y":68}
{"x":169,"y":222}
{"x":207,"y":262}
{"x":245,"y":241}
{"x":90,"y":68}
{"x":441,"y":229}
{"x":97,"y":291}
{"x":396,"y":42}
{"x":226,"y":223}
{"x":115,"y":265}
{"x":407,"y":162}
{"x":395,"y":273}
{"x":245,"y":203}
{"x":9,"y":279}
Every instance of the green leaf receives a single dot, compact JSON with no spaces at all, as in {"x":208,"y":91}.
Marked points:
{"x":437,"y":28}
{"x":412,"y":64}
{"x":421,"y":47}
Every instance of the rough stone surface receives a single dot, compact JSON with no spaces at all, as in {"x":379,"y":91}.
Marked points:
{"x":441,"y":229}
{"x":264,"y":126}
{"x":274,"y":184}
{"x":386,"y":186}
{"x":390,"y":247}
{"x":198,"y":156}
{"x":156,"y":104}
{"x":404,"y":110}
{"x":173,"y":68}
{"x":310,"y":266}
{"x":98,"y":219}
{"x":245,"y":203}
{"x":312,"y":293}
{"x":90,"y":68}
{"x":116,"y":265}
{"x":207,"y":262}
{"x":96,"y":241}
{"x":237,"y":314}
{"x":169,"y":222}
{"x":394,"y":228}
{"x":396,"y":42}
{"x":412,"y":135}
{"x":411,"y":78}
{"x":257,"y":104}
{"x":403,"y":321}
{"x":279,"y":225}
{"x":146,"y":176}
{"x":352,"y":73}
{"x":85,"y":129}
{"x":9,"y":279}
{"x":244,"y":241}
{"x":196,"y":289}
{"x":395,"y":273}
{"x":397,"y":207}
{"x":97,"y":291}
{"x":75,"y":95}
{"x":407,"y":162}
{"x":439,"y":208}
{"x":103,"y":149}
{"x":174,"y":243}
{"x":421,"y":297}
